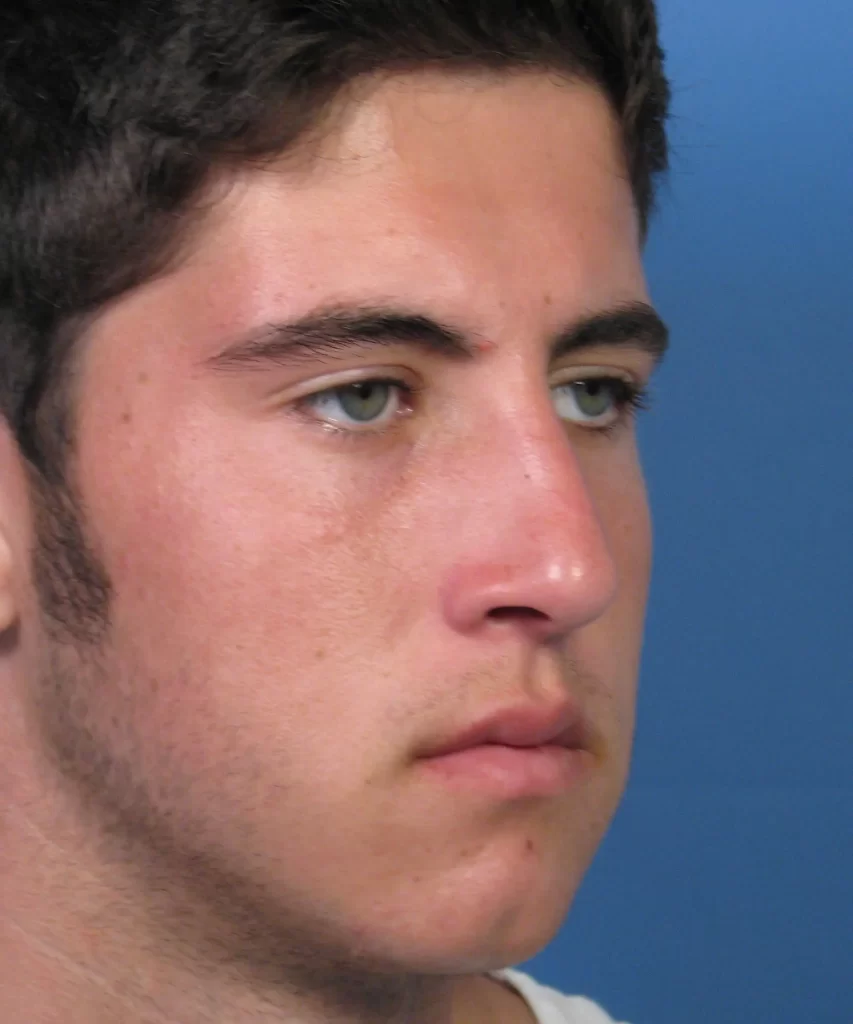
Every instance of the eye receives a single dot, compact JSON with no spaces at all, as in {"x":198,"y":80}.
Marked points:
{"x":596,"y":402}
{"x":365,"y":404}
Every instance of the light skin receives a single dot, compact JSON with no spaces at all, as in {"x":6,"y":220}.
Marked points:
{"x":217,"y":812}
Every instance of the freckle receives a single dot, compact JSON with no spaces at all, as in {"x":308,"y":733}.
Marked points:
{"x":320,"y":654}
{"x":530,"y":846}
{"x":143,"y":377}
{"x":125,"y":417}
{"x":548,"y":299}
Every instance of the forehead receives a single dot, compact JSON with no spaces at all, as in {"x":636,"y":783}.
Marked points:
{"x":472,"y":196}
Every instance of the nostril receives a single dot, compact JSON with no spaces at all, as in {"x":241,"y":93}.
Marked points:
{"x":517,"y":612}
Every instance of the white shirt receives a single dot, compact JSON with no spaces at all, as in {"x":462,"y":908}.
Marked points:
{"x":550,"y":1006}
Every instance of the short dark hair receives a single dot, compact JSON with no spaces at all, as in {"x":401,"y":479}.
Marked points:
{"x":113,"y":115}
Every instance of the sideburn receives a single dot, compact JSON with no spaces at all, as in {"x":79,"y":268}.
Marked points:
{"x":72,"y":584}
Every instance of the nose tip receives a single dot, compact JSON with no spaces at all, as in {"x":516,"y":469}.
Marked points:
{"x":548,"y":589}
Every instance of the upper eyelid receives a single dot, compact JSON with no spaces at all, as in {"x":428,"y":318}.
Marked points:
{"x":577,"y":378}
{"x":348,"y":378}
{"x":582,"y":372}
{"x":396,"y":375}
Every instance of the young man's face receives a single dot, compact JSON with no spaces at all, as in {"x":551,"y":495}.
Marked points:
{"x":313,"y":588}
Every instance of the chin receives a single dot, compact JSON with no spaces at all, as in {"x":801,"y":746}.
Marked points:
{"x":478,"y":952}
{"x":483,"y":930}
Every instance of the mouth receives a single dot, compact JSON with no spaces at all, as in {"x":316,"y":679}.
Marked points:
{"x":523,"y":750}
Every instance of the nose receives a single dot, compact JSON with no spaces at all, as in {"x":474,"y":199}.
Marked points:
{"x":533,"y":554}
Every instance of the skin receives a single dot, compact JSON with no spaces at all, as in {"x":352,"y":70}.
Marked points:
{"x":217,"y":812}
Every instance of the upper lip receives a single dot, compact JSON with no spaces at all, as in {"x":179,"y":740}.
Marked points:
{"x":519,"y":725}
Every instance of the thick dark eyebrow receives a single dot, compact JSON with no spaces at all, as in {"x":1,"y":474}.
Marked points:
{"x":333,"y":331}
{"x":632,"y":325}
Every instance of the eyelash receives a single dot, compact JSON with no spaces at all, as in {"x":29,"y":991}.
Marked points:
{"x":630,"y":399}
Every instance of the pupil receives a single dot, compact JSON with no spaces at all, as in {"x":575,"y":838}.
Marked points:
{"x":364,"y":400}
{"x":594,"y":397}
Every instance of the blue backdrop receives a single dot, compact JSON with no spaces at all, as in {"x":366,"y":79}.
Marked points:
{"x":724,"y":891}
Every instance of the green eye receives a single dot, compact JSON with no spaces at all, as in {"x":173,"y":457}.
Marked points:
{"x":594,"y":401}
{"x":367,"y":403}
{"x":594,"y":397}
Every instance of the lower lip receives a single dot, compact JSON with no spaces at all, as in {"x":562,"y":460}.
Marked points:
{"x":512,"y":772}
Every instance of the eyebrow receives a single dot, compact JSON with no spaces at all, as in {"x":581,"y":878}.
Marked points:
{"x":336,"y":330}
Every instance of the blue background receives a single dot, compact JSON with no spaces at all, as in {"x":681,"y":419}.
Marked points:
{"x":724,"y":892}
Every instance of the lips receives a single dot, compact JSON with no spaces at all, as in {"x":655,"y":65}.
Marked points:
{"x":520,"y":725}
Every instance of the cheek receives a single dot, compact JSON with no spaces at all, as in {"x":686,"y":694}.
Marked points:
{"x":630,"y":537}
{"x":248,"y":619}
{"x":619,"y":494}
{"x":255,"y":562}
{"x":622,"y":504}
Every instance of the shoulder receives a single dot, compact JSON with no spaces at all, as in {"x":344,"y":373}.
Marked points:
{"x":549,"y":1006}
